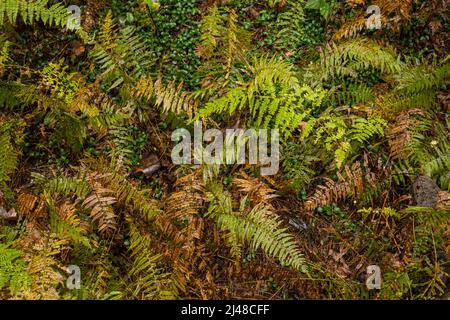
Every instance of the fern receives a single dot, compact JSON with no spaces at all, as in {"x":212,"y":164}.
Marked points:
{"x":353,"y":94}
{"x":351,"y":28}
{"x":69,"y":130}
{"x":346,"y":59}
{"x":41,"y":251}
{"x":9,"y":95}
{"x":364,"y":129}
{"x":169,"y":98}
{"x":267,"y":72}
{"x":223,"y":43}
{"x":428,"y":154}
{"x":123,"y":140}
{"x":414,"y":79}
{"x":86,"y":188}
{"x":129,"y":144}
{"x":290,"y":24}
{"x":353,"y":182}
{"x":399,"y":10}
{"x":101,"y":211}
{"x":13,"y":274}
{"x":32,"y":11}
{"x":417,"y":87}
{"x":259,"y":228}
{"x":8,"y":153}
{"x":430,"y":237}
{"x":333,"y":130}
{"x":65,"y":223}
{"x":4,"y":53}
{"x":272,"y":99}
{"x":59,"y":81}
{"x":64,"y":186}
{"x":263,"y":231}
{"x":211,"y":31}
{"x":125,"y":192}
{"x":298,"y":164}
{"x":150,"y":281}
{"x":280,"y":3}
{"x":122,"y":55}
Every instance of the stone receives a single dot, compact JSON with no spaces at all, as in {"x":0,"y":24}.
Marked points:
{"x":426,"y":192}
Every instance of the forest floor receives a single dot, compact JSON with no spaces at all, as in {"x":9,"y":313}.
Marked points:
{"x":87,"y":176}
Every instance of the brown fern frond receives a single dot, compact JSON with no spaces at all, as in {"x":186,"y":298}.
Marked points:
{"x":125,"y":192}
{"x":41,"y":250}
{"x":68,"y":213}
{"x":31,"y":207}
{"x":99,"y":203}
{"x":26,"y":203}
{"x":397,"y":7}
{"x":351,"y":183}
{"x":189,"y":197}
{"x":350,"y":28}
{"x":258,"y":191}
{"x":184,"y":206}
{"x":355,"y":2}
{"x":398,"y":134}
{"x":394,"y":12}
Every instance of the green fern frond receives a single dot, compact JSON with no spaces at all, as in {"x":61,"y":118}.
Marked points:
{"x":122,"y":56}
{"x":9,"y":95}
{"x":8,"y":153}
{"x":413,"y":80}
{"x":61,"y":83}
{"x":223,"y":43}
{"x":260,"y":228}
{"x":298,"y":164}
{"x":4,"y":53}
{"x":69,"y":129}
{"x":149,"y":280}
{"x":123,"y":141}
{"x":267,"y":72}
{"x":13,"y":273}
{"x":170,"y":98}
{"x":271,"y":99}
{"x":290,"y":24}
{"x":62,"y":185}
{"x":364,"y":129}
{"x":353,"y":94}
{"x":346,"y":59}
{"x":417,"y":87}
{"x":211,"y":30}
{"x":32,"y":11}
{"x":264,"y":231}
{"x":65,"y":227}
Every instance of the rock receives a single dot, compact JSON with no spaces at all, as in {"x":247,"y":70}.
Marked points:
{"x":151,"y":170}
{"x":426,"y":192}
{"x":149,"y":165}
